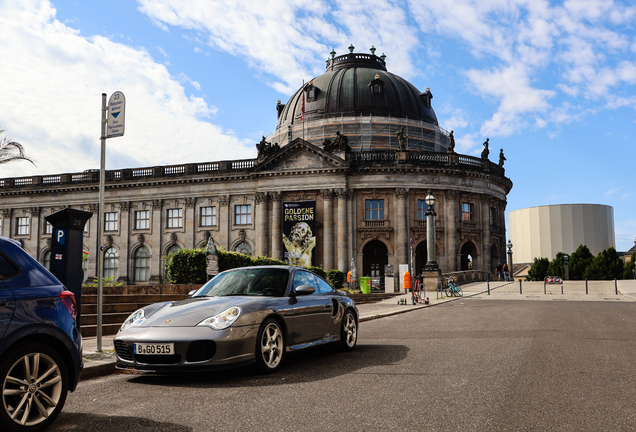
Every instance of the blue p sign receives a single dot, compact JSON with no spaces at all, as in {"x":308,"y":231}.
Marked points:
{"x":60,"y":236}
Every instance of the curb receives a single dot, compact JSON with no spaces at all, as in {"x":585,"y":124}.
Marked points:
{"x":97,"y":368}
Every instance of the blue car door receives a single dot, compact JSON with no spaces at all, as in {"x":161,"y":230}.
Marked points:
{"x":7,"y":300}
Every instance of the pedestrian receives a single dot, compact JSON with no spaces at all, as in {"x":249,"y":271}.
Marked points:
{"x":506,"y":272}
{"x":498,"y":270}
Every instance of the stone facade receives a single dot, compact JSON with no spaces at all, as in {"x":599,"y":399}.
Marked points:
{"x":238,"y":203}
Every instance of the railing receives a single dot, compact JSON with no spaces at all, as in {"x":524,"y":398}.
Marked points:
{"x":375,"y":223}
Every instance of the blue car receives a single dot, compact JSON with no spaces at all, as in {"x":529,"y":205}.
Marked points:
{"x":40,"y":345}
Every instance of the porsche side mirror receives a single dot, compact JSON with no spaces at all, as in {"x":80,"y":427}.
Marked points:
{"x":304,"y":290}
{"x":191,"y":293}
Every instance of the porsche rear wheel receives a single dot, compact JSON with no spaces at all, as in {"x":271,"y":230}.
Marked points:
{"x":348,"y":332}
{"x":34,"y":387}
{"x":270,"y":346}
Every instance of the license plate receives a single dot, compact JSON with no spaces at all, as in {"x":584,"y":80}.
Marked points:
{"x":153,"y":348}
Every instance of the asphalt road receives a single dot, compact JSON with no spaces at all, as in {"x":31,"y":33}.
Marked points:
{"x":468,"y":365}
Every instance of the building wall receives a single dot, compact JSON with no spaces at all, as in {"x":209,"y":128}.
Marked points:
{"x":300,"y":172}
{"x":546,"y":230}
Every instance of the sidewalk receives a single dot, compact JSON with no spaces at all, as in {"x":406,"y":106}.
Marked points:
{"x":103,"y":363}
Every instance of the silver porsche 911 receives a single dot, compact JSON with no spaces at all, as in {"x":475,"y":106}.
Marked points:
{"x":244,"y":315}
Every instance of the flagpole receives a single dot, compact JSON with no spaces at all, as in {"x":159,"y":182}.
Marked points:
{"x":302,"y":110}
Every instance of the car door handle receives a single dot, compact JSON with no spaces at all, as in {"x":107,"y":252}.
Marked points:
{"x":328,"y":306}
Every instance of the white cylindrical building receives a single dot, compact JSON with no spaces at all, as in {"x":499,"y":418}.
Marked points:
{"x":544,"y":231}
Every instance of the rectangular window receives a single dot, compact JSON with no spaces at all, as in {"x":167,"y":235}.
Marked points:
{"x":421,"y":209}
{"x":111,"y":221}
{"x":22,"y":226}
{"x":374,"y":209}
{"x":142,"y":219}
{"x":208,"y":216}
{"x":243,"y":214}
{"x":467,"y":212}
{"x":493,"y":216}
{"x":48,"y":228}
{"x":175,"y":218}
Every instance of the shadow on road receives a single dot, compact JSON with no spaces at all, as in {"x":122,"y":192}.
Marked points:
{"x":103,"y":423}
{"x":309,"y":365}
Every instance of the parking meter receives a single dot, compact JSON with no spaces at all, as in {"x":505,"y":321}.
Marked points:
{"x":66,"y":251}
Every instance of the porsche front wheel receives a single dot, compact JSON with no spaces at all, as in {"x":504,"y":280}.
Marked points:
{"x":270,"y":346}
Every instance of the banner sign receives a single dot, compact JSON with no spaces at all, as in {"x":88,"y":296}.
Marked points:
{"x":299,"y":232}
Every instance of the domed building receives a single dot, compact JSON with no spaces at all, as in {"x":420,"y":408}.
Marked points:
{"x":343,"y":178}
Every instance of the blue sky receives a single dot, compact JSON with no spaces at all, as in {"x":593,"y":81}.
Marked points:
{"x":552,"y":83}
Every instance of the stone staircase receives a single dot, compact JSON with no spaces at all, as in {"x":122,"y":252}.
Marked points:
{"x":119,"y":302}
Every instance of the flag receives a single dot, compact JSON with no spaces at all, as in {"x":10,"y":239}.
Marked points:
{"x":302,"y":108}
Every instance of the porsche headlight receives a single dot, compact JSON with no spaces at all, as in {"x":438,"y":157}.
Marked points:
{"x":222,"y":320}
{"x":136,"y":318}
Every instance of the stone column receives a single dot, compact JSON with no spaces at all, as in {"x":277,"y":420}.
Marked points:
{"x":125,"y":261}
{"x":277,"y":236}
{"x":350,"y":227}
{"x":189,"y":222}
{"x":262,"y":224}
{"x":451,"y":231}
{"x":225,"y":224}
{"x":37,"y":230}
{"x":343,"y":244}
{"x":6,"y":222}
{"x":402,"y":229}
{"x":327,"y":231}
{"x":157,"y":229}
{"x":485,"y":233}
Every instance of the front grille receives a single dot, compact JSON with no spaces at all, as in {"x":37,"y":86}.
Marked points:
{"x":201,"y":350}
{"x":122,"y":351}
{"x":158,"y":359}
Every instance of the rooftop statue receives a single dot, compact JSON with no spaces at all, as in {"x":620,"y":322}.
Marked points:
{"x":400,"y":136}
{"x":339,"y":143}
{"x":485,"y":152}
{"x":451,"y":143}
{"x":265,"y":149}
{"x":502,"y":158}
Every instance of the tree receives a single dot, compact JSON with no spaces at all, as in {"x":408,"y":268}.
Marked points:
{"x":579,"y":261}
{"x":628,"y":270}
{"x":11,"y":151}
{"x":605,"y":266}
{"x":557,"y":266}
{"x":539,"y":269}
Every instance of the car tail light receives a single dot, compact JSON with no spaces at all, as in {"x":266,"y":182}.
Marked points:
{"x":68,"y":299}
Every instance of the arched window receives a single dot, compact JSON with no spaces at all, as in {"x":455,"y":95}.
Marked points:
{"x":172,"y":249}
{"x":244,"y":248}
{"x":46,"y":260}
{"x":142,"y":264}
{"x":111,"y":263}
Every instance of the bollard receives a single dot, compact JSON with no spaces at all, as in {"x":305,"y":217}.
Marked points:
{"x":561,"y":287}
{"x":585,"y":286}
{"x":488,"y":286}
{"x":544,"y":286}
{"x":616,"y":286}
{"x":520,"y":291}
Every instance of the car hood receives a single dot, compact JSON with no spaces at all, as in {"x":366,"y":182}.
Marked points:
{"x":190,"y":312}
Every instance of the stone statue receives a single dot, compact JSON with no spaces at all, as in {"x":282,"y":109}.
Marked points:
{"x":400,"y":136}
{"x":265,"y":149}
{"x":339,"y":143}
{"x":485,"y":152}
{"x":451,"y":143}
{"x":502,"y":158}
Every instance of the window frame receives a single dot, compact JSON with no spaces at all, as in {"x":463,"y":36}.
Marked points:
{"x":22,"y":225}
{"x":172,"y":221}
{"x":141,"y":273}
{"x":203,"y":217}
{"x":139,"y":220}
{"x":470,"y":212}
{"x":369,"y":210}
{"x":422,"y":208}
{"x":239,"y":215}
{"x":114,"y":222}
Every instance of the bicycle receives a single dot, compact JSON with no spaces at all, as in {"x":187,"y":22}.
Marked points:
{"x":416,"y":293}
{"x":452,"y":289}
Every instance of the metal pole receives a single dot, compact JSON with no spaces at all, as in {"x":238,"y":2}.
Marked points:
{"x":488,"y":286}
{"x":100,"y":228}
{"x":543,"y":286}
{"x":520,"y":291}
{"x":585,"y":286}
{"x":616,"y":286}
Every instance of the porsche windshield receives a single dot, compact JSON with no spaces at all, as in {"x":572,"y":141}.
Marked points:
{"x":269,"y":282}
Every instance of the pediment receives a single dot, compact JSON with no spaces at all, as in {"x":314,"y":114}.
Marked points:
{"x":299,"y":155}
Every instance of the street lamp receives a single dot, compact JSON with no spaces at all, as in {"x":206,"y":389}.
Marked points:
{"x":566,"y":265}
{"x":510,"y":259}
{"x":431,"y":263}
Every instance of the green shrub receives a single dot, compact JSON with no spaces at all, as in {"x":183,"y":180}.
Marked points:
{"x":336,"y":278}
{"x":261,"y":260}
{"x":229,"y":260}
{"x":319,"y":271}
{"x":186,"y":266}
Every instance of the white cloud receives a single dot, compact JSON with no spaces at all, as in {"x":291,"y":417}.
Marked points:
{"x":611,"y":192}
{"x":52,"y":100}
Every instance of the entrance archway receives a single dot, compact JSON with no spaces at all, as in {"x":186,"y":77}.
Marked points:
{"x":375,"y":257}
{"x":468,"y":256}
{"x":421,"y":256}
